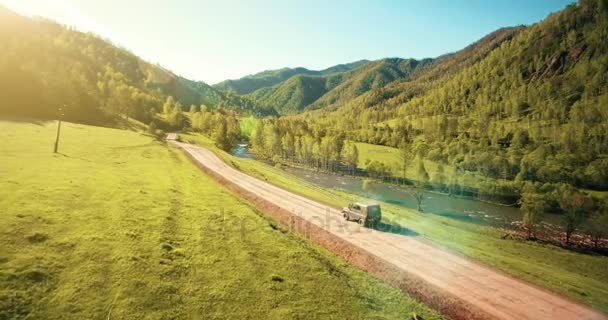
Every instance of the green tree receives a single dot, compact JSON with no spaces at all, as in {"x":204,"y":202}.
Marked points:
{"x":532,"y":207}
{"x":221,"y":136}
{"x":367,"y":186}
{"x":418,"y":195}
{"x":350,"y":153}
{"x":378,"y":170}
{"x":195,"y":120}
{"x":288,"y":146}
{"x":573,"y":203}
{"x":439,"y":177}
{"x":404,"y":157}
{"x":597,"y":226}
{"x":176,"y":117}
{"x":423,"y":175}
{"x":169,"y":105}
{"x":417,"y":190}
{"x":152,"y":128}
{"x":233,"y":130}
{"x":206,"y":122}
{"x":272,"y":141}
{"x":258,"y":138}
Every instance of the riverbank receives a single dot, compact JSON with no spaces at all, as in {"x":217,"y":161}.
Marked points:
{"x":473,"y":211}
{"x":579,"y":276}
{"x":465,"y":209}
{"x":452,"y":206}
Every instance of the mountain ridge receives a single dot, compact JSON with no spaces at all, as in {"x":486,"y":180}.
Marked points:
{"x":269,"y":78}
{"x":97,"y":78}
{"x":306,"y":93}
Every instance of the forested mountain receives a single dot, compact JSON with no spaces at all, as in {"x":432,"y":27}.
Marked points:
{"x":308,"y":92}
{"x":296,"y":93}
{"x":95,"y":79}
{"x":385,"y":77}
{"x":527,"y":108}
{"x":270,"y":78}
{"x":396,"y":93}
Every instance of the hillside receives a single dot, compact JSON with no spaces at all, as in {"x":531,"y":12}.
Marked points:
{"x":377,"y":80}
{"x":391,"y":96}
{"x":294,"y":94}
{"x":373,"y":76}
{"x":270,"y":78}
{"x":94,"y":78}
{"x":307,"y":92}
{"x":524,"y":107}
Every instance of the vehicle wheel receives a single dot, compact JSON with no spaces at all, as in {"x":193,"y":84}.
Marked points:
{"x":345,"y":216}
{"x":361,"y":221}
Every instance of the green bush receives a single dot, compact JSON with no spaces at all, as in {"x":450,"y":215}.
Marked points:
{"x":160,"y":134}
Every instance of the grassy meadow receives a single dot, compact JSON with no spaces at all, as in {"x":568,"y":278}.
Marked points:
{"x":579,"y":276}
{"x":119,"y":226}
{"x":390,"y":157}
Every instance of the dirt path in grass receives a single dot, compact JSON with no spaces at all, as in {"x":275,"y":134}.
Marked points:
{"x":455,"y":285}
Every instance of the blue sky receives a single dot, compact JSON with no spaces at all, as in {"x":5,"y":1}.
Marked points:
{"x":227,"y":39}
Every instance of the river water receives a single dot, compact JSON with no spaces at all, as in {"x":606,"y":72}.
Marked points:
{"x":240,"y":151}
{"x":467,"y":210}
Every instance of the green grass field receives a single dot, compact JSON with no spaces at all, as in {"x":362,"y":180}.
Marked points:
{"x":119,"y":226}
{"x":390,"y":157}
{"x":580,"y":276}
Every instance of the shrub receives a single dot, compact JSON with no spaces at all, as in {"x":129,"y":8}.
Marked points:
{"x":276,"y":159}
{"x":152,"y":128}
{"x":159,"y":134}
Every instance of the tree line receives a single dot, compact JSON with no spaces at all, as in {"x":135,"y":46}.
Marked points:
{"x":578,"y":211}
{"x":221,"y":125}
{"x":297,"y":142}
{"x":294,"y":142}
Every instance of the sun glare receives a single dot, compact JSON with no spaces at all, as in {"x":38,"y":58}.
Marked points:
{"x":30,"y":7}
{"x":60,"y":11}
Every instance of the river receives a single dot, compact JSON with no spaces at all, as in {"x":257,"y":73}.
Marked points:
{"x":467,"y":210}
{"x":240,"y":151}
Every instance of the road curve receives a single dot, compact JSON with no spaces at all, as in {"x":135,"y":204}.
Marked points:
{"x":492,"y":292}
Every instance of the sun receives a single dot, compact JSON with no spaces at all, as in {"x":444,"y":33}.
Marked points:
{"x":62,"y":11}
{"x":58,"y":10}
{"x":30,"y":7}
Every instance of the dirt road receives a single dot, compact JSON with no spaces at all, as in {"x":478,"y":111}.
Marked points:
{"x":493,"y":293}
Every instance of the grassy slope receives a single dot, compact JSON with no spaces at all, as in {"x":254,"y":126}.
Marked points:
{"x":120,"y":224}
{"x":579,"y":276}
{"x":390,"y":156}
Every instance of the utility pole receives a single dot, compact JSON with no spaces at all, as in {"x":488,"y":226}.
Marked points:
{"x":61,"y":114}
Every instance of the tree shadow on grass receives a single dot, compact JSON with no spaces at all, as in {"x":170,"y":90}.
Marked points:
{"x":19,"y":119}
{"x":71,"y":157}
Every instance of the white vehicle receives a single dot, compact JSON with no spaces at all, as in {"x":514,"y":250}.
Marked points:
{"x":366,"y":214}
